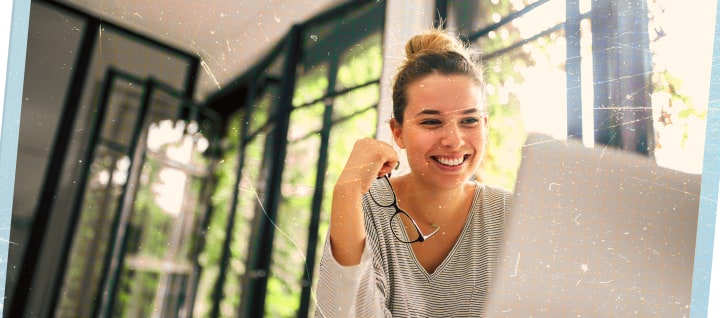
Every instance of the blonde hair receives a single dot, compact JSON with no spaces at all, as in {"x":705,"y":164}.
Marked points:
{"x":432,"y":52}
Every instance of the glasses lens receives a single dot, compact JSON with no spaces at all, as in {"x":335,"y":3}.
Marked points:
{"x":404,"y":229}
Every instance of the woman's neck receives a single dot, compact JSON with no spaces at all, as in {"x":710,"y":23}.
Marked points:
{"x":430,"y":204}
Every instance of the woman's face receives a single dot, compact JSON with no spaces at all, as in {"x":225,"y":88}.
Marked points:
{"x":444,"y":129}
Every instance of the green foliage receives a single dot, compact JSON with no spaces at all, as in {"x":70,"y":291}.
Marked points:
{"x":679,"y":103}
{"x":310,"y":85}
{"x":507,"y":132}
{"x":285,"y":303}
{"x":361,"y":63}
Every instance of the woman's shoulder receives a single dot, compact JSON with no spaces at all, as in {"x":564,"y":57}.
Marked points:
{"x":494,"y":191}
{"x":495,"y":196}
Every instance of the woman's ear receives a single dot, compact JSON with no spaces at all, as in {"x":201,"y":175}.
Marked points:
{"x":396,"y":129}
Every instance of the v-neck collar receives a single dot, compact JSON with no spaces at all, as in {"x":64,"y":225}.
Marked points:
{"x":456,"y":245}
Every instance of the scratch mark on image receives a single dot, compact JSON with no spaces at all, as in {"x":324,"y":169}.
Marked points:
{"x":209,"y":72}
{"x":654,"y":251}
{"x":301,"y":253}
{"x":275,"y":15}
{"x":67,"y":23}
{"x":517,"y":262}
{"x":7,"y":241}
{"x":556,"y":185}
{"x":624,"y":258}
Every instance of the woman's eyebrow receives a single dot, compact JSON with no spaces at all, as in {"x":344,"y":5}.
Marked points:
{"x":437,"y":112}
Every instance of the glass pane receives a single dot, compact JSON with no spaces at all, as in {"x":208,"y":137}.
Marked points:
{"x":167,"y":208}
{"x":60,"y":34}
{"x":250,"y":192}
{"x":290,"y":240}
{"x":131,"y":57}
{"x":518,"y":76}
{"x":44,"y":93}
{"x":362,"y":63}
{"x":488,"y":12}
{"x":357,"y":101}
{"x":122,"y":113}
{"x":291,"y":229}
{"x":354,"y":117}
{"x":108,"y":174}
{"x":305,"y":122}
{"x":681,"y":45}
{"x":51,"y":45}
{"x":215,"y":233}
{"x":261,"y":108}
{"x":311,"y":85}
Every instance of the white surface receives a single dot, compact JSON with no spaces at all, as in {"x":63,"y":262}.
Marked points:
{"x":5,"y":17}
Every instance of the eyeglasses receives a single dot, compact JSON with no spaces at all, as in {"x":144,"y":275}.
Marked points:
{"x":412,"y":234}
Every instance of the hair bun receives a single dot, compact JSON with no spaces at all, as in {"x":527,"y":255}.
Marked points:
{"x":433,"y":41}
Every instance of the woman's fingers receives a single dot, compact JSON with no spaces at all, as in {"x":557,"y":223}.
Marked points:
{"x":368,"y":160}
{"x":388,"y":167}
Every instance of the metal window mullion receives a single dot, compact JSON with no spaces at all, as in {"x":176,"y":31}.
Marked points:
{"x":115,"y":255}
{"x":602,"y":21}
{"x":264,"y":128}
{"x":51,"y":180}
{"x":191,"y":76}
{"x":333,"y":93}
{"x":335,"y":122}
{"x":573,"y":69}
{"x":253,"y":300}
{"x":307,"y":279}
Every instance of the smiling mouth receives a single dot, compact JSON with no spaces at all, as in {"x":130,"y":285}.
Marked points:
{"x":451,"y":162}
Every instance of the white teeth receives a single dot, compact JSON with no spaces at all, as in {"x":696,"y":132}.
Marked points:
{"x":450,"y":162}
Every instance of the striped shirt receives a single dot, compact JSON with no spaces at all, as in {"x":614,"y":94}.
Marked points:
{"x":389,"y":281}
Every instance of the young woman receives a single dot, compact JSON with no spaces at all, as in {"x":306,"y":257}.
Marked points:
{"x":422,"y":244}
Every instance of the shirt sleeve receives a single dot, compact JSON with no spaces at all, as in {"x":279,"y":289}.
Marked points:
{"x":348,"y":291}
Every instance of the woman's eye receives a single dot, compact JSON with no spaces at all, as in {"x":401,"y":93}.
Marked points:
{"x":430,"y":122}
{"x":470,"y":120}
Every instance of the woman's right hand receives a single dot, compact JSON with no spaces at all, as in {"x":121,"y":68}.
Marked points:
{"x":368,"y":160}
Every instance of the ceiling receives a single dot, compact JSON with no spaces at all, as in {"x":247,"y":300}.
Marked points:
{"x":228,"y":35}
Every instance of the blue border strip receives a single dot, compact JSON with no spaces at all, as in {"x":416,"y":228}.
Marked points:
{"x":709,"y":190}
{"x":11,"y":125}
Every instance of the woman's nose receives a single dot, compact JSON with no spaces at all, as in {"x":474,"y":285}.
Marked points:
{"x":451,"y":135}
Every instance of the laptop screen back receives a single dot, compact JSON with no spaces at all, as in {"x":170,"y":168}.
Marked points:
{"x":596,"y":233}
